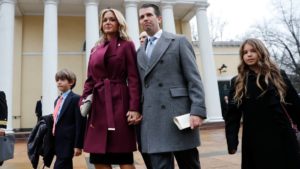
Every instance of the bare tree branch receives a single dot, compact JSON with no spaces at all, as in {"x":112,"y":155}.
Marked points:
{"x":282,"y":36}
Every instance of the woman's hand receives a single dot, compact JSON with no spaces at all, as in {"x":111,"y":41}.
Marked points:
{"x":133,"y":117}
{"x":77,"y":151}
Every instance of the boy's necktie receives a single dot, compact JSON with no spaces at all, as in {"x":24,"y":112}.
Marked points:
{"x":150,"y":46}
{"x":55,"y":113}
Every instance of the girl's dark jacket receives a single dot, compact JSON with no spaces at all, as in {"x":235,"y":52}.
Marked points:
{"x":268,"y":140}
{"x":41,"y":142}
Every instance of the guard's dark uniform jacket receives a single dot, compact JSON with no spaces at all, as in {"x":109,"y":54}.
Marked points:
{"x":3,"y":110}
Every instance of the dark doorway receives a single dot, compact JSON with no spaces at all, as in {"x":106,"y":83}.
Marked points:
{"x":224,"y":87}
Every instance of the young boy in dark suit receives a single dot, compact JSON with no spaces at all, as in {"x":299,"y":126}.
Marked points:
{"x":69,"y":125}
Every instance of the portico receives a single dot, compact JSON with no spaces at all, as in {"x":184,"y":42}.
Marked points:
{"x":39,"y":37}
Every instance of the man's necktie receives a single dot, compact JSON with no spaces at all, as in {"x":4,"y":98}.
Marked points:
{"x":150,"y":46}
{"x":55,"y":113}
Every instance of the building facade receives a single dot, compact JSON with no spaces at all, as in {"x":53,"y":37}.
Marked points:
{"x":40,"y":37}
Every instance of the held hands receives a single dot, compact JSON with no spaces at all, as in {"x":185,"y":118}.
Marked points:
{"x":133,"y":117}
{"x":77,"y":151}
{"x":195,"y":121}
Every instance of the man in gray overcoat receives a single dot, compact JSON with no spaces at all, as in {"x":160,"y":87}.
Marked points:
{"x":171,"y":86}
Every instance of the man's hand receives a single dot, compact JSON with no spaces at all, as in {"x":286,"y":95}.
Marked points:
{"x":77,"y":151}
{"x":195,"y":121}
{"x":133,"y":117}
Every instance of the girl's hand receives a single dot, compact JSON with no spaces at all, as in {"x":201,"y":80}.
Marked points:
{"x":233,"y":151}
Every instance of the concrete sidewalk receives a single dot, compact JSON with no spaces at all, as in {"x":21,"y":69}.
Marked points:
{"x":213,"y":155}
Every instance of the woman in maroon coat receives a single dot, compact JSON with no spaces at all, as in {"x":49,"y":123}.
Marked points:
{"x":113,"y":80}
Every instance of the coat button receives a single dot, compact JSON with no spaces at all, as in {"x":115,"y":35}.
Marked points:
{"x":161,"y":62}
{"x":160,"y":84}
{"x":163,"y":107}
{"x":146,"y":85}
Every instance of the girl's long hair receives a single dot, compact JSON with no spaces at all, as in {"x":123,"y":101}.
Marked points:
{"x":266,"y":68}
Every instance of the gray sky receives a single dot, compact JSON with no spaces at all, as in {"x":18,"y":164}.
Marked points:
{"x":239,"y":14}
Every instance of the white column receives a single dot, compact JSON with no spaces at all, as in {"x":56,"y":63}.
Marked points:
{"x":50,"y":54}
{"x":168,"y":17}
{"x":132,"y":21}
{"x":210,"y":83}
{"x":186,"y":29}
{"x":7,"y":20}
{"x":91,"y":26}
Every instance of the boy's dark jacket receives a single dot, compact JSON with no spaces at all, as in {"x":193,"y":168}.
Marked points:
{"x":41,"y":142}
{"x":70,"y":126}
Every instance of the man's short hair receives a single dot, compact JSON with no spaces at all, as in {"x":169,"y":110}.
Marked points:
{"x":155,"y":7}
{"x":66,"y":74}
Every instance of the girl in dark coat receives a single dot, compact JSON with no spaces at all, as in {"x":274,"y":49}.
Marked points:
{"x":113,"y":80}
{"x":257,"y":94}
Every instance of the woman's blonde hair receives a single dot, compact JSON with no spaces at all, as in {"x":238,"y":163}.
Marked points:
{"x":266,"y":68}
{"x":121,"y":21}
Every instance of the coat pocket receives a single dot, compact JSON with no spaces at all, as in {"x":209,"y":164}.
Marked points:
{"x":179,"y":92}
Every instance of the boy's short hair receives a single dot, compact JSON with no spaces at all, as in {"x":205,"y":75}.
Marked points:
{"x":66,"y":74}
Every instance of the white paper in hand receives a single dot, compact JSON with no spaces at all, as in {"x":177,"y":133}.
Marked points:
{"x":182,"y":121}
